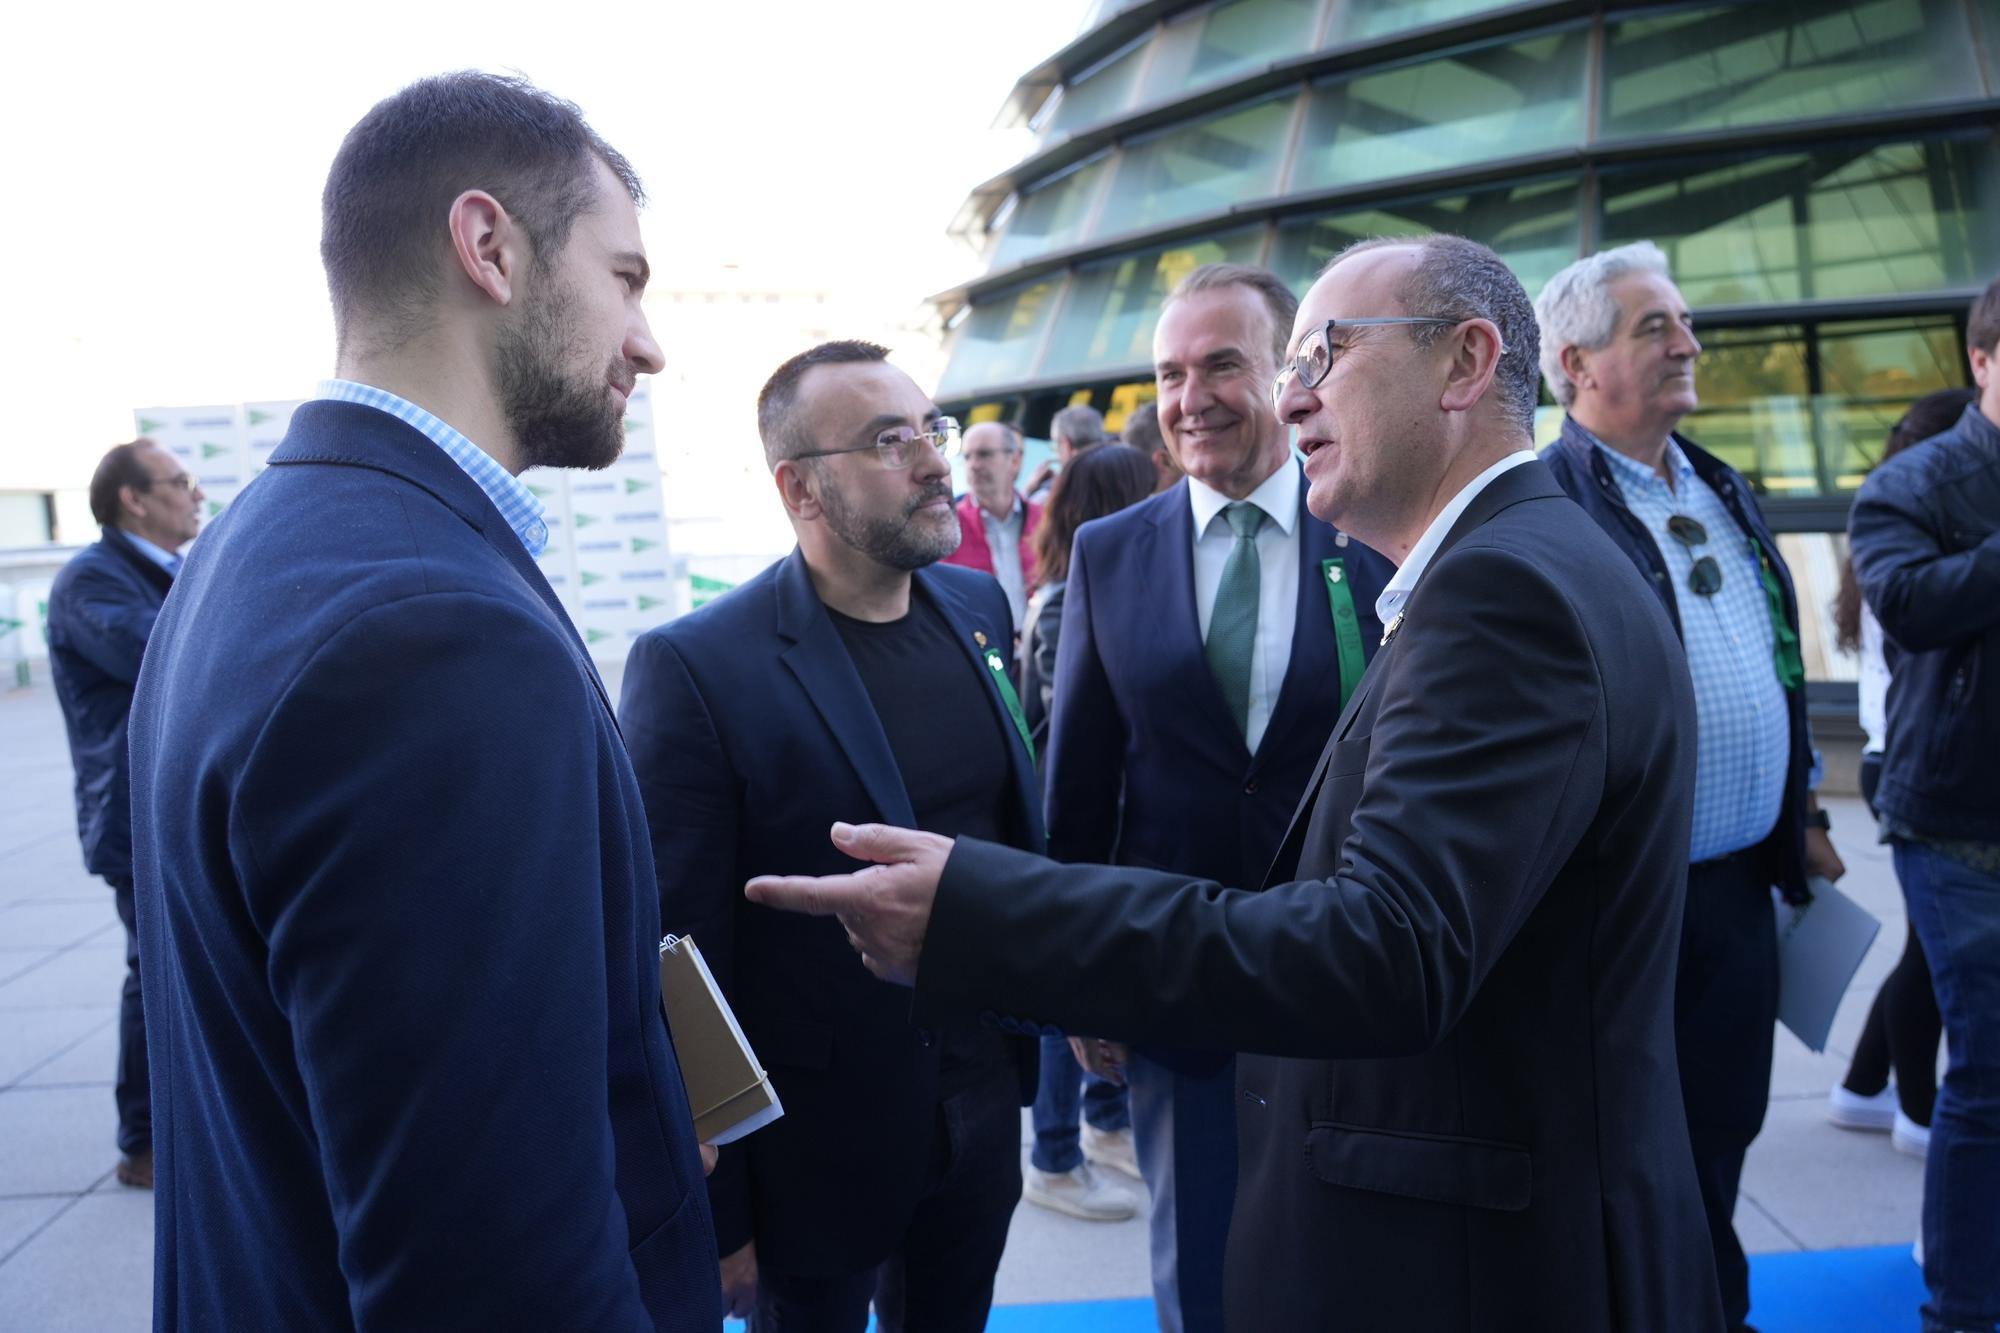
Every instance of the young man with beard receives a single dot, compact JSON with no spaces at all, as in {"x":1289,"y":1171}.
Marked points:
{"x":859,"y":674}
{"x":396,"y":898}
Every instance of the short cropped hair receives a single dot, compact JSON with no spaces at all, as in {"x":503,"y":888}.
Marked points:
{"x":1082,"y":425}
{"x":1280,"y":301}
{"x":1576,"y":309}
{"x":392,"y":183}
{"x":778,"y":424}
{"x":120,"y":467}
{"x":1982,"y":323}
{"x":1458,"y":279}
{"x":1142,"y":428}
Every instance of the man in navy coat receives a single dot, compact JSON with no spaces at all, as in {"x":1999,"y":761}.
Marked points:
{"x":396,"y":898}
{"x":858,"y":674}
{"x":1210,"y":636}
{"x":101,"y":612}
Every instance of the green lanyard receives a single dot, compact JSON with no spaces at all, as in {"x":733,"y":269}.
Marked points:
{"x":1791,"y":667}
{"x":1346,"y":629}
{"x":998,"y":666}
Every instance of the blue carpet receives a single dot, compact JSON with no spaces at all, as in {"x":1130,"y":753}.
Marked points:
{"x":1827,"y":1291}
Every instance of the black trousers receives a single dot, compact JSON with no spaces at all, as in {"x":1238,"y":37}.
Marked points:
{"x":1725,"y":1012}
{"x":1903,"y":1027}
{"x":940,"y":1279}
{"x":134,"y":1086}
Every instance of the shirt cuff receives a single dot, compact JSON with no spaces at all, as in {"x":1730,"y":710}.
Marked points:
{"x":1816,"y":772}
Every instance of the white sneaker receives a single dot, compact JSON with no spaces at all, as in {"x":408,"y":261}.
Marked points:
{"x":1111,"y":1149}
{"x":1850,"y":1110}
{"x":1909,"y":1137}
{"x":1077,"y":1193}
{"x":1917,"y":1249}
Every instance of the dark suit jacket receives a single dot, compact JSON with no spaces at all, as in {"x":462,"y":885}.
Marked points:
{"x":396,"y":905}
{"x":101,"y":611}
{"x":1461,"y":981}
{"x":752,"y":732}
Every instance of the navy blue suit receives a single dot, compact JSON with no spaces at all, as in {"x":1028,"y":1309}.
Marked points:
{"x":101,"y":612}
{"x":397,"y":906}
{"x":1147,"y":767}
{"x":752,"y":732}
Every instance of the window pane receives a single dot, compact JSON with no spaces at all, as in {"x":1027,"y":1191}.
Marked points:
{"x":1496,"y":101}
{"x":1870,"y":372}
{"x":998,"y":340}
{"x":1360,"y":20}
{"x":1741,"y":64}
{"x":1755,"y":409}
{"x":1815,"y":559}
{"x":1197,"y":168}
{"x":1532,"y":226}
{"x":1837,"y":222}
{"x":1226,"y":40}
{"x":1100,"y":92}
{"x":1051,"y":215}
{"x":1112,"y":308}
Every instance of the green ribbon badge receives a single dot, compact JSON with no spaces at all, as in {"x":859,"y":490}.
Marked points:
{"x":998,"y":666}
{"x":1346,"y":627}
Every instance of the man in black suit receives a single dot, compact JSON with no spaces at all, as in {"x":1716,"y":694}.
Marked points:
{"x":857,"y":675}
{"x":1463,"y":1112}
{"x":101,"y":612}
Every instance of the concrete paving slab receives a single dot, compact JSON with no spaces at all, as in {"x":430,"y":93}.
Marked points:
{"x":1050,"y":1257}
{"x":55,"y":925}
{"x":89,"y":1062}
{"x":1758,"y":1233}
{"x":1830,"y":1187}
{"x":75,"y":977}
{"x":87,"y":1271}
{"x":22,"y":1218}
{"x":32,"y":1038}
{"x":48,"y":862}
{"x":55,"y":1141}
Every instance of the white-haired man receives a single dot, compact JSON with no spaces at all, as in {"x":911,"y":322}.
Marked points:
{"x":1619,"y":351}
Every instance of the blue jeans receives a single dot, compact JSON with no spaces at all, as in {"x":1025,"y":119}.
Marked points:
{"x":1956,"y":910}
{"x":1058,"y":1146}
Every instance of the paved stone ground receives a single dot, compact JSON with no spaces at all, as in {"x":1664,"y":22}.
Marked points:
{"x":75,"y":1248}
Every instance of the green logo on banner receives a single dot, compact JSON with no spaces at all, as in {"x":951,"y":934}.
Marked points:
{"x":648,"y":603}
{"x":596,"y":635}
{"x":633,"y":485}
{"x":211,"y":450}
{"x":702,"y":583}
{"x":585,"y":520}
{"x":541,"y":492}
{"x":147,"y":425}
{"x":641,"y":544}
{"x":214,"y":508}
{"x":259,"y":418}
{"x":590,"y":578}
{"x":9,"y":626}
{"x":633,"y":423}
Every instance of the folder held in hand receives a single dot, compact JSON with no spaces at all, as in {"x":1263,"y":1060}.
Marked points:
{"x":728,"y":1091}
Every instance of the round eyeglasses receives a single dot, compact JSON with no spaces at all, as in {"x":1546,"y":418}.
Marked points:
{"x":1705,"y":579}
{"x":1314,"y":359}
{"x":900,"y":447}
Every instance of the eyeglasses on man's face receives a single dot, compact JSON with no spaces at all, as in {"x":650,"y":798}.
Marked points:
{"x":179,"y":481}
{"x":1311,"y":364}
{"x":900,"y":447}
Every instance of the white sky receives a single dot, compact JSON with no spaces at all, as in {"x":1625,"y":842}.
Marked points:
{"x":163,"y":166}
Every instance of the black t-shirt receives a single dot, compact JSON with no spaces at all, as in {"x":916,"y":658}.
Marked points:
{"x":946,"y":736}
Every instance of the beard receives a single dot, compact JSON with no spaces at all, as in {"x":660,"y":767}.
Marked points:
{"x":559,"y":418}
{"x":906,"y":541}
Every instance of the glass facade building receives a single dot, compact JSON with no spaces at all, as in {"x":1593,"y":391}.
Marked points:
{"x":1823,"y":174}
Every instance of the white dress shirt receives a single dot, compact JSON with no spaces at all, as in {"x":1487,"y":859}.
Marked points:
{"x":1003,"y":540}
{"x":1390,"y":604}
{"x":1874,"y":702}
{"x":1277,"y":580}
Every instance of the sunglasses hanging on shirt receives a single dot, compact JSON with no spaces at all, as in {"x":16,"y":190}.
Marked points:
{"x":1706,"y":576}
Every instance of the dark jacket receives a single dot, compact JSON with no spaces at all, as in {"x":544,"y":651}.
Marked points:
{"x":752,"y":732}
{"x":1925,"y":534}
{"x":1460,"y":1109}
{"x":101,"y":611}
{"x":1039,"y":639}
{"x":1583,"y":474}
{"x":402,"y":943}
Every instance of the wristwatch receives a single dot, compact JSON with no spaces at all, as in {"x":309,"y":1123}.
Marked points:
{"x":1819,"y":819}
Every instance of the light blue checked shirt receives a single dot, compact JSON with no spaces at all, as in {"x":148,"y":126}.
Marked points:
{"x":1743,"y":732}
{"x":516,"y":503}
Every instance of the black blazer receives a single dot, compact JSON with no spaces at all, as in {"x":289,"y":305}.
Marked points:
{"x":1465,"y":1112}
{"x":752,"y":732}
{"x":396,"y":905}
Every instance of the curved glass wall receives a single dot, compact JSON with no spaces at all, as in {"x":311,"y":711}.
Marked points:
{"x":1052,"y":215}
{"x":1000,"y":338}
{"x":1718,"y":66}
{"x":1502,"y":100}
{"x":1364,"y":20}
{"x":1198,"y":168}
{"x":1107,"y":322}
{"x":1226,"y":41}
{"x":1100,"y":91}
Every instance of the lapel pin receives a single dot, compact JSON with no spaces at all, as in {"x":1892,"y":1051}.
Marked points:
{"x":979,"y":637}
{"x":1395,"y":623}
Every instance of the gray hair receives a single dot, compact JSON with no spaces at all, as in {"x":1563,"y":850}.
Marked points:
{"x":1082,"y":425}
{"x":1458,"y":279}
{"x":1281,"y":303}
{"x":1576,"y":309}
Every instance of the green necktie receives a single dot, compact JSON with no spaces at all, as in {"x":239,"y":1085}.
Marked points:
{"x":1232,"y":624}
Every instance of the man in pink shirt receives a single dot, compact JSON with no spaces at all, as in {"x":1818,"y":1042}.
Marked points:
{"x":994,"y":517}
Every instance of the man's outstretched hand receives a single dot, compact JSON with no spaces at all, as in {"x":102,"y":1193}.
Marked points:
{"x":886,"y":907}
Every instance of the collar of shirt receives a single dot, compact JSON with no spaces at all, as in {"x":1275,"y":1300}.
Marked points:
{"x":1631,"y":474}
{"x":1277,"y":496}
{"x":165,"y":559}
{"x":1019,"y":511}
{"x":1399,"y":588}
{"x":516,"y":503}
